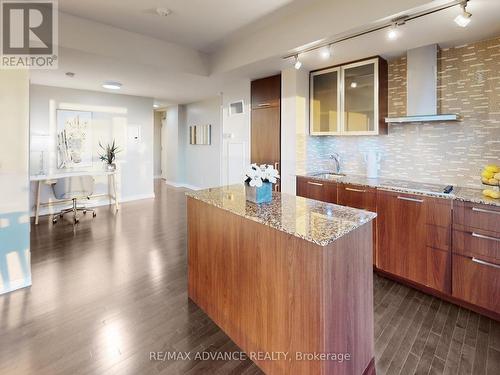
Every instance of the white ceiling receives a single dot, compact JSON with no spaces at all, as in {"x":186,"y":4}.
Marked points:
{"x":156,"y":77}
{"x":199,"y":24}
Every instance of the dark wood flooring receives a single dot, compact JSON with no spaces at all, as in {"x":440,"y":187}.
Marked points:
{"x":112,"y":290}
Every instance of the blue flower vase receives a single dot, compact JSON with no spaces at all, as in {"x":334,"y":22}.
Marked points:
{"x":261,"y":194}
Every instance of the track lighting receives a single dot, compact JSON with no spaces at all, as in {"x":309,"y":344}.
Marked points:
{"x":393,"y":32}
{"x":326,"y":52}
{"x":297,"y":64}
{"x":392,"y":28}
{"x":463,"y":19}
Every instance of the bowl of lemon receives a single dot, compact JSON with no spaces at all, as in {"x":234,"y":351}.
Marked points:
{"x":490,"y":176}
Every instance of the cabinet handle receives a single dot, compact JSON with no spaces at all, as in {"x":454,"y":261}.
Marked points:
{"x":411,"y":199}
{"x":485,"y":263}
{"x":314,"y":183}
{"x":485,"y":211}
{"x":264,"y":105}
{"x":356,"y":190}
{"x":485,"y":237}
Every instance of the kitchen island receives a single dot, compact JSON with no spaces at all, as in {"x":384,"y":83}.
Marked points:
{"x":290,"y":282}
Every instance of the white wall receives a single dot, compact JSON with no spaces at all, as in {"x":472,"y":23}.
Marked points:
{"x":113,"y":117}
{"x":202,"y":162}
{"x":294,"y":121}
{"x":14,"y":201}
{"x":170,"y":143}
{"x":192,"y":166}
{"x":236,"y":133}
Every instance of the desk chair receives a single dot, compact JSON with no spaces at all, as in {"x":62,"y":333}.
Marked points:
{"x":74,"y":188}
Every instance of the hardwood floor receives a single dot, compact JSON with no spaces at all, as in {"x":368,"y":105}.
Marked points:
{"x":113,"y":290}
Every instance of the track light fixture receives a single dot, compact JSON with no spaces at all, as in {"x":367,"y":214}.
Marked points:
{"x":463,"y":19}
{"x":297,"y":64}
{"x":393,"y":32}
{"x":326,"y":52}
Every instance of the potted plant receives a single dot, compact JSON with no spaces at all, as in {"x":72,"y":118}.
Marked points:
{"x":109,"y":155}
{"x":259,"y":182}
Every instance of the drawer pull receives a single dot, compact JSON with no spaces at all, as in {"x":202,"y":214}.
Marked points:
{"x":264,"y":105}
{"x":356,"y":190}
{"x":314,"y":183}
{"x":411,"y":199}
{"x":485,"y":237}
{"x":485,"y":263}
{"x":485,"y":211}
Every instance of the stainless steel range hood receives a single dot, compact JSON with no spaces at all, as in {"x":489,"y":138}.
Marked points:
{"x":421,"y":86}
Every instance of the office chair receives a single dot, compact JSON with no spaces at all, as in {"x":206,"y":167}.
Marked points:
{"x":74,"y":188}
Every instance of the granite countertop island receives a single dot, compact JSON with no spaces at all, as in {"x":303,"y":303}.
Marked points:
{"x":311,"y":220}
{"x":292,"y":276}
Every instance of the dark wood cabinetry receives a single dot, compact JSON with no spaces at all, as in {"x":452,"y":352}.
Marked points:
{"x":414,"y":236}
{"x":320,"y":190}
{"x":266,"y":92}
{"x":422,"y":241}
{"x":364,"y":198}
{"x":476,"y":255}
{"x":266,"y":122}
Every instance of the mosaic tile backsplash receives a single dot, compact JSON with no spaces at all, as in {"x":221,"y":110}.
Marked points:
{"x":437,"y":152}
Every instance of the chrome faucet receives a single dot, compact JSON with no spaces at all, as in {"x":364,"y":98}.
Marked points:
{"x":336,"y":159}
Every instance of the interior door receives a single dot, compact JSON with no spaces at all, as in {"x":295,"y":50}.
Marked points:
{"x":163,"y":156}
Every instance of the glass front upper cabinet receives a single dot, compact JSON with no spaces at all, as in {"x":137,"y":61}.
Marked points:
{"x":345,"y":100}
{"x":325,"y":102}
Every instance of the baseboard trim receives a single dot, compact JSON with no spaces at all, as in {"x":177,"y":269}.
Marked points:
{"x":182,"y":185}
{"x":56,"y":206}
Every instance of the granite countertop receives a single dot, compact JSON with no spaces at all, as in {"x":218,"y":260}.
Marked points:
{"x":314,"y":221}
{"x":412,"y":187}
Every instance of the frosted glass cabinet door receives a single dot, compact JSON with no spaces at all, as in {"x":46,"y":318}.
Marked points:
{"x":325,"y":102}
{"x":360,"y":99}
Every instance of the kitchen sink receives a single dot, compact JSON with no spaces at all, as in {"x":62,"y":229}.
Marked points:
{"x":329,"y":175}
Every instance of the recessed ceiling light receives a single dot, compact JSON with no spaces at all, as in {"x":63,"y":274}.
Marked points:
{"x":156,"y":106}
{"x":297,"y":64}
{"x":354,"y":85}
{"x":112,"y":85}
{"x":164,"y":12}
{"x":463,"y":19}
{"x":70,"y":74}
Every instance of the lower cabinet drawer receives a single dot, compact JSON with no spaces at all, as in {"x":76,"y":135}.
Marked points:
{"x":478,"y":243}
{"x":477,"y":282}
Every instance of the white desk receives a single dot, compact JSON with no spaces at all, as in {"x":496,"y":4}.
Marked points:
{"x":52,"y":176}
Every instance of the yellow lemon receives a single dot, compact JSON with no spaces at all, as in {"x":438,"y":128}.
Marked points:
{"x":487,"y":174}
{"x":492,"y":168}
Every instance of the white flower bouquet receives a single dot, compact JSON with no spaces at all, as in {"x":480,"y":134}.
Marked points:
{"x":258,"y":181}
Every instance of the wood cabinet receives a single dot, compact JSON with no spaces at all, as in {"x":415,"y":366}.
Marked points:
{"x":476,"y":255}
{"x":350,"y":99}
{"x":476,"y":282}
{"x":420,"y":240}
{"x":266,"y":122}
{"x":320,"y":190}
{"x":414,"y":236}
{"x":364,"y":198}
{"x":266,"y":92}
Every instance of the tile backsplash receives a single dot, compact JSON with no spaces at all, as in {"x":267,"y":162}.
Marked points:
{"x":436,"y":152}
